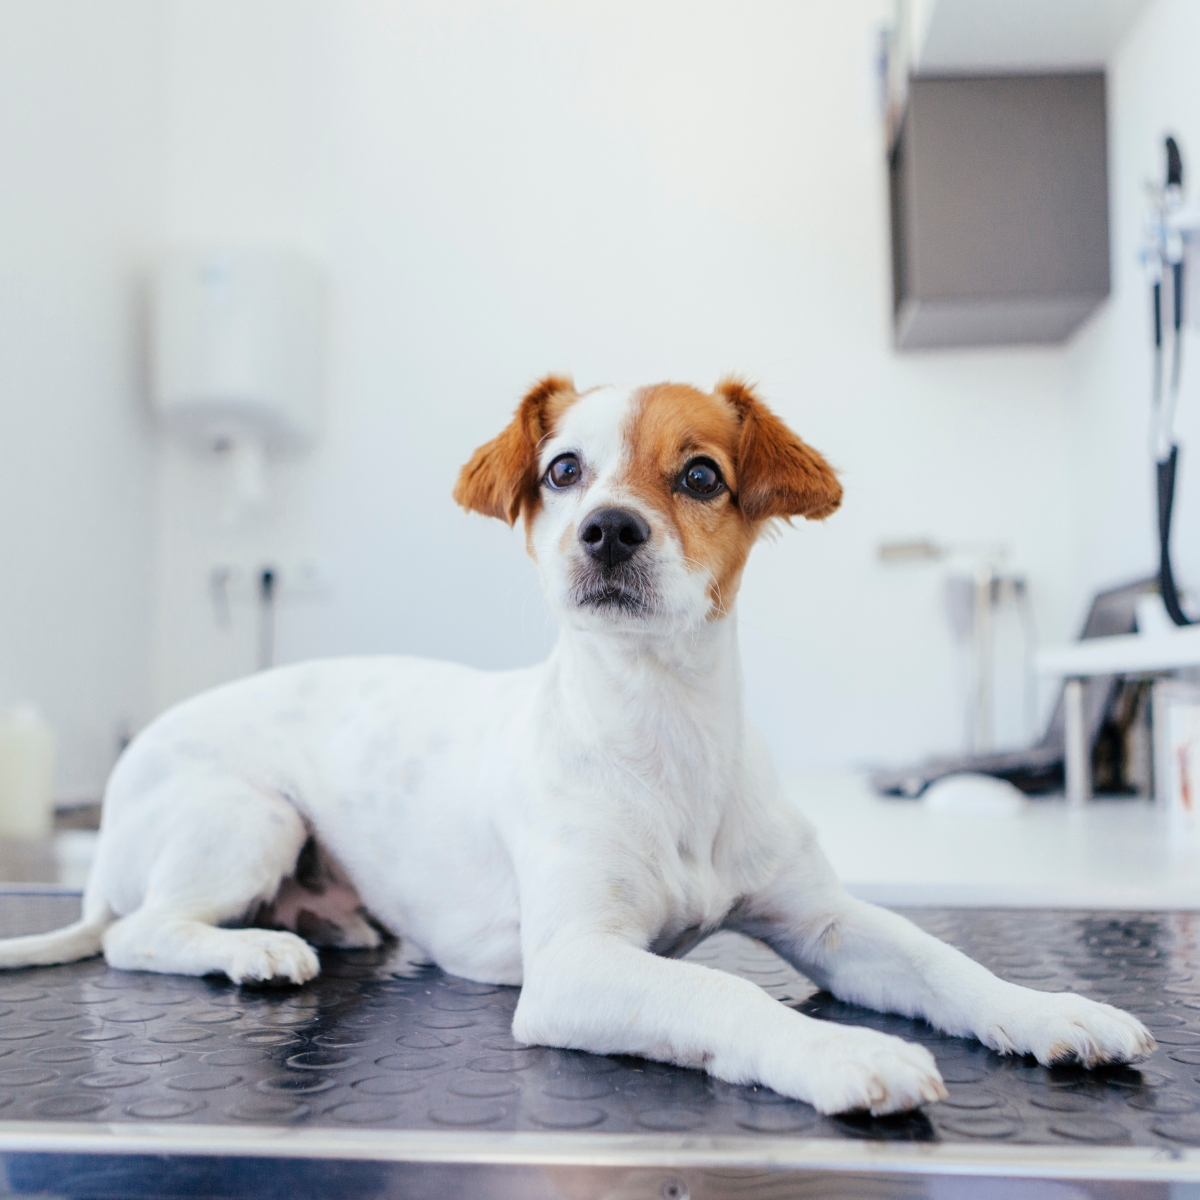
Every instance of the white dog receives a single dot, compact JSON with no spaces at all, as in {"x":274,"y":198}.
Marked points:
{"x":572,"y":827}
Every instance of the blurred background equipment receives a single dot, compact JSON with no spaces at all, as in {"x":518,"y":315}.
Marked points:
{"x":989,"y":610}
{"x":1177,"y":754}
{"x":1158,"y":650}
{"x":238,"y":358}
{"x":268,"y":595}
{"x":1103,"y":714}
{"x":1171,"y":231}
{"x":26,"y":773}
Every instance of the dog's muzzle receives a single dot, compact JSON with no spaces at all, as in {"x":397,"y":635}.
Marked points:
{"x":615,"y":575}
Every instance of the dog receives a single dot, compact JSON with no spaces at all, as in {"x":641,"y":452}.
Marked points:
{"x":571,"y":828}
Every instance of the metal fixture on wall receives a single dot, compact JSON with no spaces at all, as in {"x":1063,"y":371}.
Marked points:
{"x":268,"y":579}
{"x":251,"y":594}
{"x":976,"y":594}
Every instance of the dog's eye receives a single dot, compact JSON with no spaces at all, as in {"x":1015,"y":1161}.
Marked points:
{"x":702,"y":478}
{"x":564,"y":471}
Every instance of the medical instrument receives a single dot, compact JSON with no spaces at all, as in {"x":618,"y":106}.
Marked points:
{"x":1168,"y":227}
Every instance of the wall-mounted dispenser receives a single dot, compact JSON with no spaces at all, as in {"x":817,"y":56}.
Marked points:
{"x":237,"y":352}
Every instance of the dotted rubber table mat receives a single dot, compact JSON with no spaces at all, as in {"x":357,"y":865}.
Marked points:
{"x":375,"y":1043}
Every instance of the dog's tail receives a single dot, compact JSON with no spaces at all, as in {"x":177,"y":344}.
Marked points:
{"x":69,"y":944}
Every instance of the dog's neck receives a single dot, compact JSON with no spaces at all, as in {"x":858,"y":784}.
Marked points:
{"x":680,"y":693}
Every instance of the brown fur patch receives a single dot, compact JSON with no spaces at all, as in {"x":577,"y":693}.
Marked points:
{"x":671,"y":424}
{"x":768,"y":470}
{"x":501,"y":478}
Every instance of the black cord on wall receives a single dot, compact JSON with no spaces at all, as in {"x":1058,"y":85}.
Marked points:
{"x":267,"y":580}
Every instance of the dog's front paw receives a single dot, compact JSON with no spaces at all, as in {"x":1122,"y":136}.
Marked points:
{"x":1058,"y":1026}
{"x":847,"y":1069}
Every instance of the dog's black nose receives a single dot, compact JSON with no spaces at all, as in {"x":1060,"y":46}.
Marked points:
{"x":613,"y":535}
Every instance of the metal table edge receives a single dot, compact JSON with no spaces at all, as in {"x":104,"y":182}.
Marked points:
{"x":1135,"y":1163}
{"x":38,"y":889}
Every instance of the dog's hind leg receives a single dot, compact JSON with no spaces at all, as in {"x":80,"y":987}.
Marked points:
{"x":220,"y":849}
{"x":161,"y":940}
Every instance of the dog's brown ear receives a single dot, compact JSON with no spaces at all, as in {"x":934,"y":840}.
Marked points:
{"x":777,"y":474}
{"x":501,"y":477}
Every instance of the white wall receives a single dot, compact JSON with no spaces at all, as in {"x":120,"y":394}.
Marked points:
{"x":631,"y":192}
{"x":1154,"y":89}
{"x":80,"y":149}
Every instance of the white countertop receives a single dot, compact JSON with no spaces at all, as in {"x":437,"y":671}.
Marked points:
{"x":1110,"y":854}
{"x":1126,"y":654}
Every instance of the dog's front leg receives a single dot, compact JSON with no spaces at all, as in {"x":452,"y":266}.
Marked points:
{"x":593,"y":989}
{"x":870,"y":956}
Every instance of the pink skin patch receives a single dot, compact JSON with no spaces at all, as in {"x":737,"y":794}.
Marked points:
{"x":317,"y":902}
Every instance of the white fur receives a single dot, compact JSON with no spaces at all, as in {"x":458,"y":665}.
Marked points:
{"x":565,"y":828}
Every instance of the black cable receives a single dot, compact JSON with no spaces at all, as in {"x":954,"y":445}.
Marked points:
{"x":1156,"y":393}
{"x":1165,"y":467}
{"x":1174,"y":164}
{"x":1166,"y":502}
{"x":267,"y":580}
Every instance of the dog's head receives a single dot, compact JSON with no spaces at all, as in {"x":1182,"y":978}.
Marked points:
{"x":641,"y":504}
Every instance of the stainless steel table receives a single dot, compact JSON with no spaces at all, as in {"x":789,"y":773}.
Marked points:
{"x":379,"y":1080}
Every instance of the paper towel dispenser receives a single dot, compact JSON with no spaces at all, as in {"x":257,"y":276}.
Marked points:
{"x":237,"y":358}
{"x":999,"y":208}
{"x":238,"y":347}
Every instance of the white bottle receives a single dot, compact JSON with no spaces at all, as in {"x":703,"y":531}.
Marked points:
{"x":26,"y":773}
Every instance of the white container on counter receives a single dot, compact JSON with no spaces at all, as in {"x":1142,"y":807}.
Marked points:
{"x":1176,"y":707}
{"x":26,"y":773}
